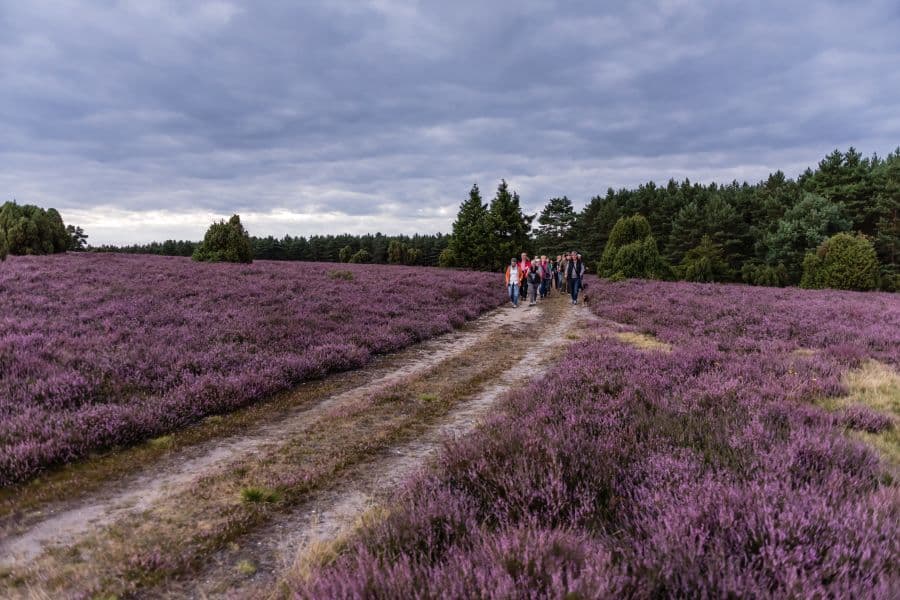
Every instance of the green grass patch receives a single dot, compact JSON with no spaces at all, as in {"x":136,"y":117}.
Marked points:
{"x":257,"y":494}
{"x":246,"y":568}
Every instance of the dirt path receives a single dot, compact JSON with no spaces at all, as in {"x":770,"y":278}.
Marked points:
{"x":271,"y":549}
{"x":60,"y":525}
{"x":274,"y":551}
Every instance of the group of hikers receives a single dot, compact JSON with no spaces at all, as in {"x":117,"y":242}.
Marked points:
{"x":538,"y":276}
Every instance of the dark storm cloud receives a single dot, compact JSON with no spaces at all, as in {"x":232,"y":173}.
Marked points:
{"x":142,"y":118}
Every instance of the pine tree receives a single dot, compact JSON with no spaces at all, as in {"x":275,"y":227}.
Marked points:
{"x":887,"y":227}
{"x":846,"y":178}
{"x":554,"y":235}
{"x":469,"y":244}
{"x":509,"y":227}
{"x":594,"y":223}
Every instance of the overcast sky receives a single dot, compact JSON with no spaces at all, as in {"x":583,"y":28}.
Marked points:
{"x":146,"y":120}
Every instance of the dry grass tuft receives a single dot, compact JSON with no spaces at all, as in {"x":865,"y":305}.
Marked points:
{"x":643,"y":341}
{"x":805,"y":352}
{"x":322,"y":552}
{"x":876,"y":386}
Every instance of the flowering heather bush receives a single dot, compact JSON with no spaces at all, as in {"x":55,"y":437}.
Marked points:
{"x":97,"y":350}
{"x":702,"y":472}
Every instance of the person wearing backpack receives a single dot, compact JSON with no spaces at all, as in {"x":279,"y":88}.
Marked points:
{"x":534,"y":281}
{"x":514,"y":277}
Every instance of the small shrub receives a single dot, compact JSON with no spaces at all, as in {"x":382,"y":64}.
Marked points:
{"x":164,"y":441}
{"x":345,"y":253}
{"x":842,"y":262}
{"x":446,"y":258}
{"x":765,"y":275}
{"x":704,"y":263}
{"x":225,"y":242}
{"x":343,"y":275}
{"x":631,"y":251}
{"x":863,"y":418}
{"x":362,"y":256}
{"x":255,"y":494}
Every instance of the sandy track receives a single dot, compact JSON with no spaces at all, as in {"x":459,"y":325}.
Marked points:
{"x":62,"y":524}
{"x":273,"y":547}
{"x":333,"y":512}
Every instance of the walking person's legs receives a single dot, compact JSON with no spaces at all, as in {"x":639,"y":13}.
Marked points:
{"x":514,"y":294}
{"x":573,"y":289}
{"x":532,"y":293}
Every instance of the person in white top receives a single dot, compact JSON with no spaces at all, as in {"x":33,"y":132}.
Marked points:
{"x":514,"y":276}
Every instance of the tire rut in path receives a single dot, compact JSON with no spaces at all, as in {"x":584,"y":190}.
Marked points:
{"x":332,"y":512}
{"x":62,"y":525}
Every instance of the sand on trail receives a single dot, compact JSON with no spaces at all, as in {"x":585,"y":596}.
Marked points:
{"x":333,"y":512}
{"x":63,"y":524}
{"x":273,"y":548}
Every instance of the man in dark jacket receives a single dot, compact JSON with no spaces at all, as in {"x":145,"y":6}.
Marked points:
{"x":574,"y":272}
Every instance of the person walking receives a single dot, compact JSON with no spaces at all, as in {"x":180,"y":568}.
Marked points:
{"x":554,"y":274}
{"x":534,"y":282}
{"x":563,"y":269}
{"x":574,"y":273}
{"x":513,"y":281}
{"x":524,"y":264}
{"x":545,"y":276}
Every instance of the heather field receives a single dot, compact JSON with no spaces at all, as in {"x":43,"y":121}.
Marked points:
{"x":106,"y":350}
{"x":700,"y":441}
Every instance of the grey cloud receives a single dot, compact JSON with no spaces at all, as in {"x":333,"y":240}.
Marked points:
{"x":390,"y":109}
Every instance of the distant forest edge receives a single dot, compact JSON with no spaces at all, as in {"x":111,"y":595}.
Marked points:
{"x":778,"y":232}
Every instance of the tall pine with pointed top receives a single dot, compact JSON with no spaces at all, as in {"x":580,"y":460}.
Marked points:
{"x":555,"y":232}
{"x":469,"y":245}
{"x":509,"y":227}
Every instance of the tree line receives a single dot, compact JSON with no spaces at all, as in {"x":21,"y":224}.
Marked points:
{"x":375,"y":248}
{"x":767,"y":233}
{"x":739,"y":232}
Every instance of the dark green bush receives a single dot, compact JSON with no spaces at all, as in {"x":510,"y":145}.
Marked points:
{"x":28,"y":229}
{"x":842,"y":262}
{"x":225,"y":242}
{"x":767,"y":275}
{"x":362,"y":256}
{"x":345,"y":254}
{"x":446,"y":258}
{"x":345,"y":275}
{"x":631,"y":251}
{"x":705,"y":263}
